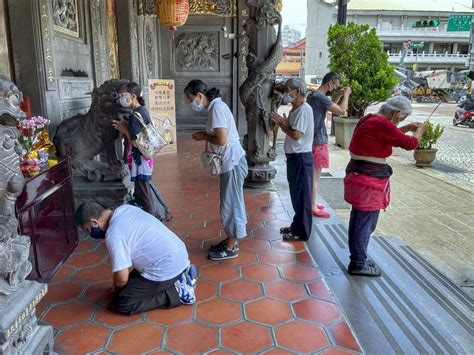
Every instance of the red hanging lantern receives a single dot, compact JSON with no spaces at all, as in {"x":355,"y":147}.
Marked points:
{"x":173,"y":13}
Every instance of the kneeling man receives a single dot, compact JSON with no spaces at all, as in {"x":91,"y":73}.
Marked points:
{"x":150,"y":264}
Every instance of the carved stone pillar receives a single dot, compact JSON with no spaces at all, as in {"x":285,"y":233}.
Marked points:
{"x":257,"y":93}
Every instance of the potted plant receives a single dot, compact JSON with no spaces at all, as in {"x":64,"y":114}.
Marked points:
{"x":356,"y":54}
{"x":425,"y":153}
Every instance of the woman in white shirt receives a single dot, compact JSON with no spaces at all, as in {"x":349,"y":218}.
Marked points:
{"x":221,"y":132}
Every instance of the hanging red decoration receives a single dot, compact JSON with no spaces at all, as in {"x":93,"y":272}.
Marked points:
{"x":173,"y":13}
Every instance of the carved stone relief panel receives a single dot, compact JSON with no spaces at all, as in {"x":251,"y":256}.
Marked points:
{"x":213,"y":7}
{"x":75,"y":88}
{"x":47,"y":43}
{"x":149,"y":49}
{"x":65,"y":17}
{"x":98,"y":42}
{"x":112,"y":39}
{"x":197,"y":51}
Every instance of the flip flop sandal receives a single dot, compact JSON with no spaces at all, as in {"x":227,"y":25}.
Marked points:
{"x":290,"y":237}
{"x":285,"y":230}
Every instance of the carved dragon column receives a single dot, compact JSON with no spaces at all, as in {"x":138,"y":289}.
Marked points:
{"x":257,"y":93}
{"x":19,"y":329}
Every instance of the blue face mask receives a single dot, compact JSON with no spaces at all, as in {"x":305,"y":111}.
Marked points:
{"x":197,"y":107}
{"x":97,"y":233}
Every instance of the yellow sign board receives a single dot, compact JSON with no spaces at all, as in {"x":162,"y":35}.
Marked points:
{"x":161,"y":94}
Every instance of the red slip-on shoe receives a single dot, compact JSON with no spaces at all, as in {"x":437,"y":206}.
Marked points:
{"x":320,"y":207}
{"x":321,"y":214}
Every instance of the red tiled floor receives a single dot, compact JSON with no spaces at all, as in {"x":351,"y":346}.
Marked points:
{"x":191,"y":338}
{"x":170,"y":316}
{"x":271,"y":288}
{"x":62,"y":292}
{"x":69,"y":314}
{"x":277,"y":351}
{"x":218,"y":311}
{"x":285,"y":290}
{"x":300,"y":336}
{"x":241,"y":290}
{"x":108,"y":317}
{"x":268,"y":311}
{"x":343,"y":336}
{"x":136,"y":339}
{"x":298,"y":272}
{"x":81,"y":339}
{"x":259,"y":272}
{"x":335,"y":351}
{"x":318,"y":311}
{"x":234,"y":335}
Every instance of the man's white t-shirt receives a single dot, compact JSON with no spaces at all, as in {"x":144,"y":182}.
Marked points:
{"x":220,"y":116}
{"x":136,"y":238}
{"x":301,"y":120}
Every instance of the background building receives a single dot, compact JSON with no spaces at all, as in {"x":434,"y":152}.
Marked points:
{"x":393,"y":21}
{"x":289,"y":35}
{"x":292,"y":62}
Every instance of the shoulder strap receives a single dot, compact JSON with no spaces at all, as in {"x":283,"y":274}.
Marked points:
{"x":140,"y":118}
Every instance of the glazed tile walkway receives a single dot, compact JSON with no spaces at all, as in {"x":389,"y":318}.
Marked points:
{"x":270,"y":300}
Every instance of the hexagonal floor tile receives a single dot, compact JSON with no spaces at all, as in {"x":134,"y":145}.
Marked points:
{"x":92,"y":274}
{"x":109,"y":317}
{"x":191,"y":338}
{"x":272,"y":209}
{"x":85,"y":245}
{"x":219,"y":272}
{"x":259,"y":272}
{"x":315,"y":310}
{"x":136,"y":339}
{"x":336,"y":351}
{"x":244,"y":258}
{"x":205,"y":290}
{"x":289,"y":246}
{"x":276,"y":257}
{"x":270,"y":234}
{"x":342,"y":335}
{"x":277,"y":223}
{"x":285,"y":290}
{"x":82,"y":339}
{"x":69,"y":314}
{"x":202,"y":233}
{"x":241,"y":290}
{"x":62,"y":292}
{"x":300,"y":272}
{"x":254,"y":245}
{"x":304,"y":258}
{"x":232,"y":337}
{"x":62,"y":274}
{"x":85,"y":259}
{"x":261,"y":216}
{"x":170,"y":316}
{"x":319,"y":289}
{"x":277,"y":351}
{"x":98,"y":293}
{"x":301,"y":337}
{"x":199,"y":258}
{"x":218,"y":311}
{"x":268,"y":311}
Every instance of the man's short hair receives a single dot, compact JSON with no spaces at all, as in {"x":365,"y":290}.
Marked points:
{"x":331,"y":76}
{"x":297,"y":83}
{"x":88,"y":211}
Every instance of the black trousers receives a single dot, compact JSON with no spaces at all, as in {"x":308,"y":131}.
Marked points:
{"x":143,"y":196}
{"x":299,"y":172}
{"x":140,"y":295}
{"x":361,"y":225}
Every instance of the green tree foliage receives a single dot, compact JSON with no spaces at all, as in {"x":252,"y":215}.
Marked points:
{"x":431,"y":135}
{"x":356,"y":54}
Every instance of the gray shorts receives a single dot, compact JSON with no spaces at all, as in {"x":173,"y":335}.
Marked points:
{"x":233,"y":213}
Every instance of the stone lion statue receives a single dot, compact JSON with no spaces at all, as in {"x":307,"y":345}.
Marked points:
{"x":84,"y":136}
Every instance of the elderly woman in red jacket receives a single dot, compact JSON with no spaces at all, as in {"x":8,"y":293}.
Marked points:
{"x":367,"y":184}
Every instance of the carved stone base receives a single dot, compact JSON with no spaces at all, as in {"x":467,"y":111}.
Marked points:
{"x":260,"y":176}
{"x":108,"y":194}
{"x":19,"y":329}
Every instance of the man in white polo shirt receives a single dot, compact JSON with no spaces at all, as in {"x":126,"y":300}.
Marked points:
{"x":299,"y":129}
{"x":150,"y":264}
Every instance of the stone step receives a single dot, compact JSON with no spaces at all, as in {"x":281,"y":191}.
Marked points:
{"x":412,"y":308}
